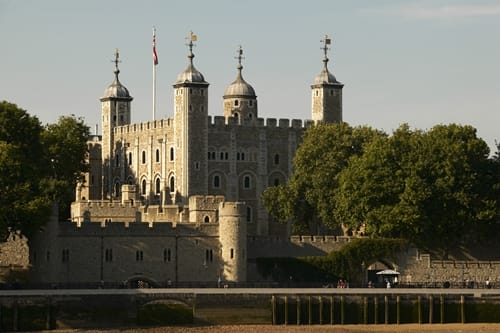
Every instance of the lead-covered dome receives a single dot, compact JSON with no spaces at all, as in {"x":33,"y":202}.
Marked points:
{"x":239,"y":87}
{"x":116,"y":89}
{"x":190,"y":74}
{"x":325,"y":77}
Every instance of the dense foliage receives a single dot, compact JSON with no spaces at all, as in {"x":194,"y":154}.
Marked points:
{"x":323,"y":154}
{"x":38,"y":165}
{"x":348,"y":263}
{"x":436,"y":188}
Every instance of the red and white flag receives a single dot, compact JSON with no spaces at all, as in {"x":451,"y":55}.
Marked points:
{"x":155,"y":55}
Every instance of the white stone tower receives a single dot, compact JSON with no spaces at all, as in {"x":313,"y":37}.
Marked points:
{"x":326,"y":99}
{"x":191,"y":132}
{"x":115,"y":109}
{"x":240,"y":101}
{"x":233,"y":240}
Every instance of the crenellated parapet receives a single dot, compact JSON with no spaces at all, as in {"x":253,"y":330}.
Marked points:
{"x":145,"y":127}
{"x":220,"y":122}
{"x":137,"y":229}
{"x":204,"y":208}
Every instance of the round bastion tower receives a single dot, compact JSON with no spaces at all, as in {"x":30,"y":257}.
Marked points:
{"x":233,"y":241}
{"x":239,"y":98}
{"x":326,"y":105}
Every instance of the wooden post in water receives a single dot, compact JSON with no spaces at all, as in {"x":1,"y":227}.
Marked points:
{"x":298,"y":310}
{"x":332,"y":320}
{"x":386,"y":310}
{"x":273,"y":309}
{"x":48,"y":317}
{"x":321,"y":310}
{"x":375,"y":310}
{"x":310,"y":310}
{"x":193,"y":308}
{"x":419,"y":309}
{"x":398,"y":313}
{"x":441,"y":310}
{"x":462,"y":309}
{"x":431,"y":308}
{"x":365,"y":310}
{"x":286,"y":310}
{"x":15,"y":316}
{"x":342,"y":314}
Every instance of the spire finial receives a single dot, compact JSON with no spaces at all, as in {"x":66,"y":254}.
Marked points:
{"x":192,"y":38}
{"x":116,"y":61}
{"x":326,"y":41}
{"x":239,"y":57}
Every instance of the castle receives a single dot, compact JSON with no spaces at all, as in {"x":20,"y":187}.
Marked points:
{"x":177,"y":201}
{"x":177,"y":198}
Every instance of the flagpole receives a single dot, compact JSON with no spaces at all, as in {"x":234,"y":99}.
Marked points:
{"x":155,"y":62}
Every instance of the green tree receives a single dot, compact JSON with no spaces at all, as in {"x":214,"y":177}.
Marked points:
{"x":23,"y":204}
{"x":38,"y":166}
{"x":432,"y":188}
{"x":65,"y":144}
{"x":307,"y":199}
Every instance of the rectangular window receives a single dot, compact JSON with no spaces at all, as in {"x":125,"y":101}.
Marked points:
{"x":139,"y":256}
{"x":167,"y":255}
{"x":209,"y":256}
{"x":108,"y":255}
{"x":65,"y":255}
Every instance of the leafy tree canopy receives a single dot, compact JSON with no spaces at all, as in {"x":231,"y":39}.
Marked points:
{"x":38,"y":165}
{"x":322,"y":155}
{"x":436,"y":188}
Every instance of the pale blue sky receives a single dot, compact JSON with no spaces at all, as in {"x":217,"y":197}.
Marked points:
{"x":417,"y":62}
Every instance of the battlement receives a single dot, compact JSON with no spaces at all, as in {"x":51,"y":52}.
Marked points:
{"x":220,"y":121}
{"x":145,"y":126}
{"x":232,"y":209}
{"x":136,"y":229}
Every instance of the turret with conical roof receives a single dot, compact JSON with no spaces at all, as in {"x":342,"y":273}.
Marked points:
{"x":240,"y":101}
{"x":191,"y":132}
{"x":326,"y":105}
{"x":116,"y":110}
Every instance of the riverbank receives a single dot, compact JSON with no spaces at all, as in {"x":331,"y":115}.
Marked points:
{"x":406,"y":328}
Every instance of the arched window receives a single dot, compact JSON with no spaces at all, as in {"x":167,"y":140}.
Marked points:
{"x":143,"y":157}
{"x":117,"y":189}
{"x":143,"y":187}
{"x":172,"y":153}
{"x":276,"y":159}
{"x":172,"y":184}
{"x":157,"y":186}
{"x":216,"y":181}
{"x":276,"y":181}
{"x":157,"y":155}
{"x":129,"y":158}
{"x":249,"y":214}
{"x":246,"y":182}
{"x":207,"y":219}
{"x":236,"y":102}
{"x":117,"y":160}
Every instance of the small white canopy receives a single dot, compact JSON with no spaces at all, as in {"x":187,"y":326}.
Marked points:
{"x":388,"y":272}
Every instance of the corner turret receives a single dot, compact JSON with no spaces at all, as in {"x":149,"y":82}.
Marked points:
{"x":240,"y":101}
{"x":115,"y":109}
{"x":326,"y":105}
